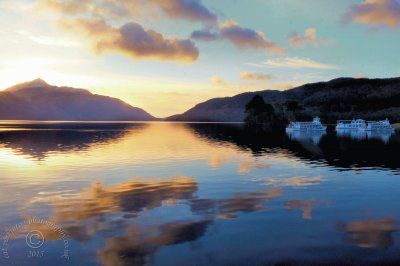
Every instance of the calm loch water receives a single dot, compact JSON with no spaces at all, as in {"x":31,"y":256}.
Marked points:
{"x":196,"y":194}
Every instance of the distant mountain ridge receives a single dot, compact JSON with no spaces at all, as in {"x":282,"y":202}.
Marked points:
{"x":342,"y":98}
{"x":37,"y":100}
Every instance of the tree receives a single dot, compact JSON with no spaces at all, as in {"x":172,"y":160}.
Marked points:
{"x":292,"y":109}
{"x":258,"y":112}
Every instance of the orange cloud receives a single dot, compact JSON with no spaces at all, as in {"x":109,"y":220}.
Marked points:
{"x":296,"y":62}
{"x":246,"y":75}
{"x":310,"y":37}
{"x":101,"y":22}
{"x":190,"y":10}
{"x":237,"y":87}
{"x":240,"y":37}
{"x":360,"y":76}
{"x":217,"y":80}
{"x":65,"y":7}
{"x":110,"y":9}
{"x":133,"y":40}
{"x":204,"y":35}
{"x":375,"y":12}
{"x":193,"y":10}
{"x":247,"y":38}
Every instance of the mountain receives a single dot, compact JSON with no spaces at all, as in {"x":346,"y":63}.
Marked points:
{"x":37,"y":100}
{"x":342,"y":98}
{"x":229,"y":109}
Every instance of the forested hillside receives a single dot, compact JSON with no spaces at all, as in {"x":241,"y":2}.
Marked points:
{"x":343,"y":98}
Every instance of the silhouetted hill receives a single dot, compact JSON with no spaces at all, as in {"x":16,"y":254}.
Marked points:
{"x":342,"y":98}
{"x":229,"y":109}
{"x":37,"y":100}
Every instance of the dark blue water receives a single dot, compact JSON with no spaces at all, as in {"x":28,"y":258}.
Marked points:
{"x":196,"y":194}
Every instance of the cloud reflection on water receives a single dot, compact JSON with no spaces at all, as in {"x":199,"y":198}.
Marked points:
{"x":370,"y":233}
{"x":222,"y":175}
{"x":86,"y":214}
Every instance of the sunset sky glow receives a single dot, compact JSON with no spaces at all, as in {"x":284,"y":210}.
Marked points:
{"x":167,"y":55}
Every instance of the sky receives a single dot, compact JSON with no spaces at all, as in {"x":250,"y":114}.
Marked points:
{"x":168,"y":55}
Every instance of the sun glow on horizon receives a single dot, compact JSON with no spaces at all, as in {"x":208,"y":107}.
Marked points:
{"x":25,"y":69}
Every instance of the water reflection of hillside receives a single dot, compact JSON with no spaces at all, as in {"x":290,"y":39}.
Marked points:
{"x":340,"y":152}
{"x":41,"y":140}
